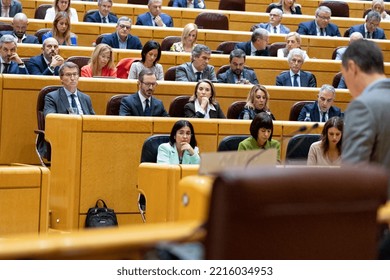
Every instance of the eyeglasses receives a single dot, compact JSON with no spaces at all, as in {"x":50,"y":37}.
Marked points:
{"x":149,"y":84}
{"x":323,"y":99}
{"x":68,"y":75}
{"x":182,"y":133}
{"x":125,"y":26}
{"x":324,"y":17}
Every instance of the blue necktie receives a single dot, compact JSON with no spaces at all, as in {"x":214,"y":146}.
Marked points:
{"x":322,"y":32}
{"x":74,"y":104}
{"x":104,"y":20}
{"x":5,"y":68}
{"x":147,"y":111}
{"x":296,"y":80}
{"x":275,"y":30}
{"x":323,"y":116}
{"x":198,"y":76}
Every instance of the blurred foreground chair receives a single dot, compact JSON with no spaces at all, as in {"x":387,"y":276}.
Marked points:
{"x":296,"y":214}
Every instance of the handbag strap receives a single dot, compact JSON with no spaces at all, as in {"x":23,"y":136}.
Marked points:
{"x":102,"y":201}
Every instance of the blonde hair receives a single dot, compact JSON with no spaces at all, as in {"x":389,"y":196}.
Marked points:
{"x":250,"y":100}
{"x":188,"y":28}
{"x":93,"y":63}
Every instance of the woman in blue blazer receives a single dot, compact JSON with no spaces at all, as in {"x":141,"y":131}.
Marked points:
{"x":181,"y":148}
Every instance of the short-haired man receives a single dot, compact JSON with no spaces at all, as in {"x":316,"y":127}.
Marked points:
{"x":19,"y":25}
{"x":352,"y":38}
{"x":257,"y":46}
{"x":10,"y":60}
{"x":102,"y":15}
{"x":48,"y":62}
{"x":9,"y":8}
{"x":322,"y":109}
{"x":274,"y":26}
{"x":237,"y":73}
{"x":198,"y":68}
{"x":192,"y":4}
{"x":321,"y":25}
{"x":122,"y":39}
{"x":370,"y":29}
{"x":296,"y":77}
{"x":155,"y":17}
{"x":142,"y":103}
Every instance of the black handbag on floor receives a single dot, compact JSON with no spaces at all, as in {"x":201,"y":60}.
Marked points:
{"x":100,"y":216}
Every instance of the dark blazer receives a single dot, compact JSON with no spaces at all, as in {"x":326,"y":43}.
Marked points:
{"x":29,"y":39}
{"x":298,"y":10}
{"x":314,"y":113}
{"x":183,"y":4}
{"x":131,"y":106}
{"x":133,"y":42}
{"x":15,"y":8}
{"x":14,"y":68}
{"x":95,"y":17}
{"x":38,"y":66}
{"x":309,"y":28}
{"x":185,"y":73}
{"x":246,"y":47}
{"x":342,"y":83}
{"x":146,"y":20}
{"x":228,"y":76}
{"x":57,"y":102}
{"x":306,"y":77}
{"x":189,"y":112}
{"x":378,"y":33}
{"x":283,"y":29}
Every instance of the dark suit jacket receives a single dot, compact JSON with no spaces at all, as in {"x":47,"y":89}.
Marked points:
{"x":189,"y":112}
{"x":185,"y":73}
{"x":38,"y":66}
{"x":131,"y":106}
{"x":183,"y":4}
{"x":378,"y":33}
{"x":306,"y":77}
{"x":146,"y":20}
{"x":283,"y":29}
{"x":309,"y":28}
{"x":314,"y":113}
{"x":133,"y":42}
{"x":228,"y":76}
{"x":14,"y":68}
{"x":57,"y":102}
{"x":15,"y":8}
{"x":95,"y":17}
{"x":246,"y":47}
{"x":29,"y":39}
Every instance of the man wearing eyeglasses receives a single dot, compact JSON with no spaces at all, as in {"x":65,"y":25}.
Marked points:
{"x":322,"y":109}
{"x":68,"y":99}
{"x":155,"y":17}
{"x":274,"y":26}
{"x":321,"y":25}
{"x":122,"y":39}
{"x":102,"y":15}
{"x":370,"y":29}
{"x":142,"y":103}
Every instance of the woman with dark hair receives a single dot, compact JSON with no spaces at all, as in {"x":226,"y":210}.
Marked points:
{"x":61,"y":31}
{"x":327,"y":151}
{"x":256,"y":102}
{"x":151,"y":54}
{"x":202,"y":104}
{"x":261,"y":130}
{"x":101,"y":63}
{"x":61,"y":6}
{"x":287,"y":6}
{"x":181,"y":148}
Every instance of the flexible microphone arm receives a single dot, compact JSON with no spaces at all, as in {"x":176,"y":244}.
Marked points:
{"x":314,"y":126}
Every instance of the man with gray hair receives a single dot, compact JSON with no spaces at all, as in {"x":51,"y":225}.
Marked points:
{"x":19,"y":25}
{"x":352,"y":38}
{"x":274,"y":26}
{"x":321,"y":25}
{"x":370,"y":29}
{"x":198,"y":68}
{"x":122,"y":39}
{"x":154,"y":17}
{"x":295,"y":77}
{"x":102,"y":15}
{"x":238,"y":73}
{"x":257,"y":46}
{"x":322,"y":109}
{"x":10,"y":60}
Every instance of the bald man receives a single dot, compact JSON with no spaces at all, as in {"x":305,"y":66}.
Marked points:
{"x":19,"y":24}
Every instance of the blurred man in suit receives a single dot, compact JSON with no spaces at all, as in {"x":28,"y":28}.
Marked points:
{"x":10,"y":60}
{"x":103,"y":14}
{"x":154,"y":17}
{"x":122,"y":39}
{"x":370,"y":29}
{"x":19,"y":25}
{"x":257,"y":46}
{"x":195,"y":4}
{"x":198,"y":68}
{"x":9,"y":8}
{"x":68,"y":99}
{"x":295,"y":76}
{"x":237,"y":73}
{"x":48,"y":62}
{"x":274,"y":26}
{"x":321,"y":25}
{"x":352,"y":38}
{"x":322,"y":109}
{"x":142,"y":103}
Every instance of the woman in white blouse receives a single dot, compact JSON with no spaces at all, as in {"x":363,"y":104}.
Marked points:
{"x":61,"y":6}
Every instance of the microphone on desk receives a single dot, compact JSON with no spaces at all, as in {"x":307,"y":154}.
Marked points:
{"x":314,"y":126}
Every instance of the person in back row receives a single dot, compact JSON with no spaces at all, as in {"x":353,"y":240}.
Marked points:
{"x":10,"y":8}
{"x":9,"y":58}
{"x":122,"y":39}
{"x":19,"y":25}
{"x":102,"y":15}
{"x":321,"y":25}
{"x":61,"y":6}
{"x":370,"y":29}
{"x":142,"y":103}
{"x":274,"y":26}
{"x":154,"y":17}
{"x":192,"y":4}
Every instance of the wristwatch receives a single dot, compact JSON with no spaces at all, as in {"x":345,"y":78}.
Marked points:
{"x":51,"y":68}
